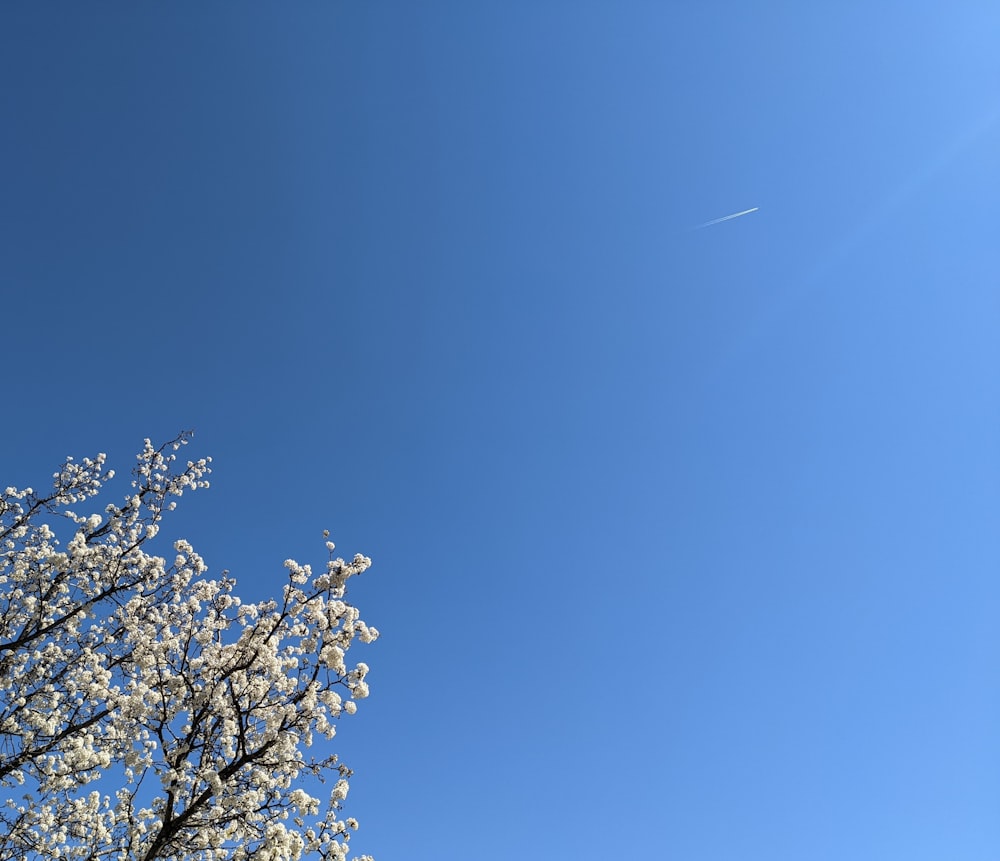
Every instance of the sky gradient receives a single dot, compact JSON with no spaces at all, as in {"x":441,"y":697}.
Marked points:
{"x":685,"y":540}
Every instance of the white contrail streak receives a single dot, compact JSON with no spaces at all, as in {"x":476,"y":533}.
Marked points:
{"x":726,"y":218}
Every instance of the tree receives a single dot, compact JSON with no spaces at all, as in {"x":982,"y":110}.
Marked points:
{"x":116,"y":662}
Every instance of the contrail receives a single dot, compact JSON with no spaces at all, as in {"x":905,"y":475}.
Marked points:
{"x":726,"y":218}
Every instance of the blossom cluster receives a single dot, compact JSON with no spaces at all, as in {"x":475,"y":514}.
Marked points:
{"x":114,"y":660}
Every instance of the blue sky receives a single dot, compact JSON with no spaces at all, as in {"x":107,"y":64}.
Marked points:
{"x":685,"y":540}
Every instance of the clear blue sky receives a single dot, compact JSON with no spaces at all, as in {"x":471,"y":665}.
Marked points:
{"x":686,"y":541}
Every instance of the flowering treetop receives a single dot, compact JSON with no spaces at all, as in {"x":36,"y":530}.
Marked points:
{"x":115,"y":662}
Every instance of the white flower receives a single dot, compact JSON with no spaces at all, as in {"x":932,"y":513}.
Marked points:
{"x":131,"y":666}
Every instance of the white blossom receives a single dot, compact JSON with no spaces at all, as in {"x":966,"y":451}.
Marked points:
{"x":116,"y":661}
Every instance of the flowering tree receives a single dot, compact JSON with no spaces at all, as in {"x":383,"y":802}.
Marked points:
{"x":118,"y":663}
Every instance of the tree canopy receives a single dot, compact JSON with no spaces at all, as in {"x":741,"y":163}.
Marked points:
{"x":120,"y":665}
